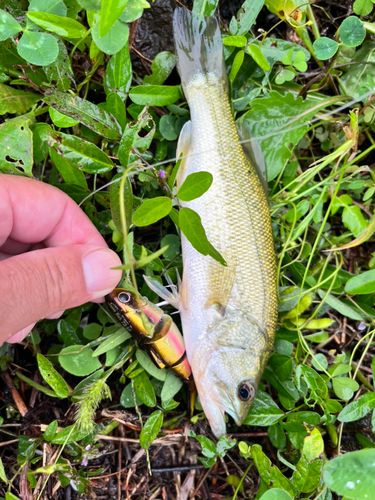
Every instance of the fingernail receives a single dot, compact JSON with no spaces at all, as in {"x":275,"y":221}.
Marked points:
{"x":100,"y":278}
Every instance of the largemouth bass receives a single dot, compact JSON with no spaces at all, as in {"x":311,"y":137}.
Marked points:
{"x":228,"y":314}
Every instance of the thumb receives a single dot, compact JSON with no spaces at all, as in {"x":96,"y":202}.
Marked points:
{"x":37,"y":284}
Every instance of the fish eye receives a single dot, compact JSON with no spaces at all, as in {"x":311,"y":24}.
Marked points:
{"x":124,"y":297}
{"x":246,"y":392}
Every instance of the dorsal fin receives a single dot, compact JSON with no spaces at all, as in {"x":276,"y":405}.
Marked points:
{"x":254,"y":153}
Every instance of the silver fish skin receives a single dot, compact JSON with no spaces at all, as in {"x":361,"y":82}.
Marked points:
{"x":228,"y":314}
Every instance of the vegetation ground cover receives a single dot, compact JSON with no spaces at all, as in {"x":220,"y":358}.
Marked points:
{"x":83,"y":409}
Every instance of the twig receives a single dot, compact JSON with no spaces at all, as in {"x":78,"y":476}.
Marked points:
{"x":141,"y":55}
{"x":22,"y":408}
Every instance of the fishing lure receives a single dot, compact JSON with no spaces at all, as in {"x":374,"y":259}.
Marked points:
{"x":160,"y":337}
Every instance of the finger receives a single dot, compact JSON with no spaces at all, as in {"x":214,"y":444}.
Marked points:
{"x":19,"y":336}
{"x":43,"y":282}
{"x":55,"y":315}
{"x":32,"y":211}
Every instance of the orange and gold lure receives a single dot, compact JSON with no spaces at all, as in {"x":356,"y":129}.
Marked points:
{"x":161,"y":337}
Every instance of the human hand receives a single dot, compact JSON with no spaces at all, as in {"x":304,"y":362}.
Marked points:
{"x":51,"y":256}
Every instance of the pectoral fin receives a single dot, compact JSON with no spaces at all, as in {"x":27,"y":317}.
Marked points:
{"x":172,"y":296}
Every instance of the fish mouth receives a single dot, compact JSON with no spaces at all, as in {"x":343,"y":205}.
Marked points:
{"x":226,"y":404}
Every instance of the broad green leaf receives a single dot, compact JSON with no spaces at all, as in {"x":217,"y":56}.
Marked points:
{"x":191,"y":225}
{"x":276,"y":494}
{"x":194,"y":186}
{"x":362,"y":284}
{"x":3,"y":476}
{"x":60,"y":72}
{"x":92,"y":331}
{"x":37,"y":386}
{"x":70,"y":434}
{"x":167,"y":126}
{"x":278,"y":121}
{"x":203,"y":8}
{"x":155,"y":95}
{"x":52,"y":377}
{"x":149,"y":366}
{"x":208,"y":447}
{"x":173,"y":243}
{"x":236,"y":65}
{"x":319,"y":362}
{"x":344,"y":387}
{"x":114,"y":40}
{"x":151,"y":211}
{"x":70,"y":174}
{"x":307,"y":476}
{"x":61,"y":120}
{"x":363,"y":7}
{"x":77,"y":361}
{"x":246,"y":17}
{"x":115,"y":106}
{"x":333,"y":406}
{"x":277,"y":436}
{"x":114,"y":191}
{"x":367,"y":233}
{"x":352,"y":32}
{"x":270,"y":474}
{"x":116,"y":339}
{"x":127,"y":399}
{"x":352,"y":474}
{"x":171,"y":386}
{"x":313,"y":445}
{"x":16,"y":147}
{"x":85,"y":112}
{"x":282,"y":365}
{"x":151,"y":429}
{"x":131,"y":137}
{"x":93,"y":5}
{"x":63,"y":26}
{"x":144,"y":390}
{"x":325,"y":48}
{"x":56,"y":7}
{"x":354,"y":220}
{"x":161,"y":68}
{"x":134,"y":10}
{"x":263,"y":411}
{"x":235,"y":41}
{"x":16,"y":101}
{"x":118,"y":74}
{"x":342,"y":308}
{"x":8,"y":25}
{"x":50,"y":432}
{"x":37,"y":48}
{"x":258,"y":57}
{"x":79,"y":153}
{"x":358,"y":409}
{"x":111,"y":10}
{"x":67,"y":333}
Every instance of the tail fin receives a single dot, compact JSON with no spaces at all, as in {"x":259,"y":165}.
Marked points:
{"x":199,"y":48}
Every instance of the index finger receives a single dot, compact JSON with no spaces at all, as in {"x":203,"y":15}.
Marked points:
{"x":32,"y":211}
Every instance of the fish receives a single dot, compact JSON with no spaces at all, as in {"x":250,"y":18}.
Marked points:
{"x":155,"y":331}
{"x":228,"y":312}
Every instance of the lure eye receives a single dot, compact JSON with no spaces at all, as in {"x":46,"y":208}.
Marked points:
{"x":124,"y":297}
{"x":246,"y":392}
